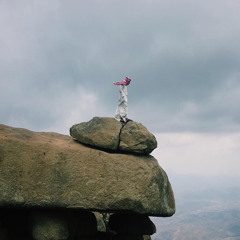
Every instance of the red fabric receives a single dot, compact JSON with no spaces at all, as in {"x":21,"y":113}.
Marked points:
{"x":125,"y":81}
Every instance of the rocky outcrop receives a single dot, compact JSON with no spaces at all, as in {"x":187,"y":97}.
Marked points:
{"x":109,"y":134}
{"x":53,"y":170}
{"x":50,"y":183}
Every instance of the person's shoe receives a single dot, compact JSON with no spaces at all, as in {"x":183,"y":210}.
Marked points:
{"x":128,"y":120}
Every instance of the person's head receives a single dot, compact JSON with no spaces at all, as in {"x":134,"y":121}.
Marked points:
{"x":127,"y":80}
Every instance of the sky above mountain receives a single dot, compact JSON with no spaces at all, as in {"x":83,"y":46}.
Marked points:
{"x":59,"y":60}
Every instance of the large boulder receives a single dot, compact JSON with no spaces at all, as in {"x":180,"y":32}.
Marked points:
{"x":52,"y":170}
{"x":109,"y":134}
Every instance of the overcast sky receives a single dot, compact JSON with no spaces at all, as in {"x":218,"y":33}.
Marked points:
{"x":58,"y":60}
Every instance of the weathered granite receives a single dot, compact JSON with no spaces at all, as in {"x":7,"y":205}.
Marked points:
{"x":52,"y":170}
{"x":136,"y":138}
{"x":108,"y":133}
{"x":101,"y":132}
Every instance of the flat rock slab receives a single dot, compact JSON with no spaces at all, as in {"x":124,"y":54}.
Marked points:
{"x":108,"y":133}
{"x":52,"y":170}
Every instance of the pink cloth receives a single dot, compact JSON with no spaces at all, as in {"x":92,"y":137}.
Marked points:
{"x":125,"y":81}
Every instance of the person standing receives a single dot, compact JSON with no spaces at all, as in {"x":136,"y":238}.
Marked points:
{"x":122,"y":108}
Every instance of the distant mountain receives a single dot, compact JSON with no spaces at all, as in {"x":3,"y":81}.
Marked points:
{"x":208,"y":208}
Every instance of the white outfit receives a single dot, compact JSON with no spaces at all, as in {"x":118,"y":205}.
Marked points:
{"x":122,"y":108}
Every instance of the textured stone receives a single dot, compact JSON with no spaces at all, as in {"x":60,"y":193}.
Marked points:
{"x":136,"y":138}
{"x":100,"y":222}
{"x":101,"y":132}
{"x":49,"y":226}
{"x":109,"y":134}
{"x":146,"y":237}
{"x":131,"y":224}
{"x":53,"y":170}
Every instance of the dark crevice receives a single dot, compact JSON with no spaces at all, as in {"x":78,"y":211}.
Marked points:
{"x":109,"y":150}
{"x":123,"y":124}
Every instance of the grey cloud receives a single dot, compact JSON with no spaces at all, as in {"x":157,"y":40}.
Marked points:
{"x":179,"y":54}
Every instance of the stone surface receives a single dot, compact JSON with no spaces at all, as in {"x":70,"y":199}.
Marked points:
{"x":136,"y":138}
{"x":49,"y":226}
{"x":146,"y":237}
{"x":110,"y":134}
{"x":100,"y":222}
{"x":52,"y":170}
{"x":101,"y":132}
{"x":131,"y":224}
